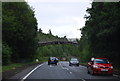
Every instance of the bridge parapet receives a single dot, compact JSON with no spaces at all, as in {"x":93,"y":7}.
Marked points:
{"x":56,"y":42}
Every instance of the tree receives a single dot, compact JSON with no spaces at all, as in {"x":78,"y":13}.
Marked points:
{"x":19,"y":30}
{"x":102,"y":29}
{"x":6,"y":54}
{"x":40,"y":30}
{"x":49,"y":32}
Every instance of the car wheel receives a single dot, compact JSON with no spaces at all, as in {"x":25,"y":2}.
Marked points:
{"x":77,"y":64}
{"x":88,"y":72}
{"x":48,"y":63}
{"x":70,"y":64}
{"x":56,"y":64}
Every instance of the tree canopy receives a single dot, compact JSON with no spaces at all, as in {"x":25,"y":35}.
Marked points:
{"x":19,"y":28}
{"x":101,"y":32}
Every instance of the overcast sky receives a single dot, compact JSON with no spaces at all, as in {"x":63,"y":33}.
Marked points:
{"x":63,"y":17}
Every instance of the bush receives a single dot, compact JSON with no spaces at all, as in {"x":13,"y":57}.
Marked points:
{"x":6,"y":54}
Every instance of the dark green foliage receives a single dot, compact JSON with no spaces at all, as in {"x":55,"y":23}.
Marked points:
{"x":101,"y":31}
{"x":6,"y":54}
{"x":19,"y":30}
{"x":59,"y":50}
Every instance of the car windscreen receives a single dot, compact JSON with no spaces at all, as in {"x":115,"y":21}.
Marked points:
{"x":74,"y":60}
{"x":52,"y":58}
{"x":102,"y":61}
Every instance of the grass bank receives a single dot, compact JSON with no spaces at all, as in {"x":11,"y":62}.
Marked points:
{"x":16,"y":65}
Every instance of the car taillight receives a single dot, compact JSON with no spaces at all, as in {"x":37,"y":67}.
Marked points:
{"x":95,"y":66}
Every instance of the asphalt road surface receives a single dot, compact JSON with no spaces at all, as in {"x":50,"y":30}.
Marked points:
{"x":64,"y":72}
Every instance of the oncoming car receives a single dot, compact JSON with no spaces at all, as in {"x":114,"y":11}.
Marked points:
{"x":52,"y":60}
{"x":100,"y":66}
{"x":73,"y":61}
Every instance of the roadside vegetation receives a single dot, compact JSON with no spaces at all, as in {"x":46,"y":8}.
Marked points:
{"x":100,"y":36}
{"x":15,"y":65}
{"x":19,"y":30}
{"x":21,"y":37}
{"x":58,"y":50}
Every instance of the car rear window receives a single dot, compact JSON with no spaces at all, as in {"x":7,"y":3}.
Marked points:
{"x":52,"y":58}
{"x":102,"y":61}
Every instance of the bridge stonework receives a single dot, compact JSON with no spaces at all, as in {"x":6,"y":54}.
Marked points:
{"x":56,"y":42}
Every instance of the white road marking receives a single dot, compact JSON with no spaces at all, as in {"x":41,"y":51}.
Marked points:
{"x":70,"y":72}
{"x":63,"y":67}
{"x":83,"y":79}
{"x":50,"y":65}
{"x":116,"y":75}
{"x":31,"y":72}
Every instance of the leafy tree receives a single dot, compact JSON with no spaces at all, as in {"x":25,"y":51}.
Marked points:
{"x":6,"y":54}
{"x":40,"y":30}
{"x":19,"y":30}
{"x":49,"y":32}
{"x":101,"y":30}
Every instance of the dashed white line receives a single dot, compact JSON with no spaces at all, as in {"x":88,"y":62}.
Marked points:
{"x":70,"y":72}
{"x":31,"y":72}
{"x":83,"y":79}
{"x":63,"y":67}
{"x":50,"y":66}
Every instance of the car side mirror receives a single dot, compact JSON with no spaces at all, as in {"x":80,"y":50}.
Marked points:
{"x":90,"y":63}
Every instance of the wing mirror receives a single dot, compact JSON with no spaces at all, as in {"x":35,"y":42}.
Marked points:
{"x":90,"y":63}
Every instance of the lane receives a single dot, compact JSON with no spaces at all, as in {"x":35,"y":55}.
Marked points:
{"x":81,"y":72}
{"x":50,"y":72}
{"x":64,"y":71}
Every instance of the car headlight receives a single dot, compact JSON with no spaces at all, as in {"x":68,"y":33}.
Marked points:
{"x":111,"y":67}
{"x":77,"y":62}
{"x":94,"y":66}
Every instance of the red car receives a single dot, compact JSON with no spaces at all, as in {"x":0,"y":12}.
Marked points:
{"x":100,"y":66}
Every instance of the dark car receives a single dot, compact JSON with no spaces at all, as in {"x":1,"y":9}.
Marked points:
{"x":52,"y":60}
{"x":73,"y":61}
{"x":100,"y":66}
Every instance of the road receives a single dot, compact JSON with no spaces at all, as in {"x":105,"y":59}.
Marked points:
{"x":64,"y":72}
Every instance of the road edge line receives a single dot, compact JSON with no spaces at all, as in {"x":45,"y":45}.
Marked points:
{"x":115,"y":75}
{"x":31,"y":72}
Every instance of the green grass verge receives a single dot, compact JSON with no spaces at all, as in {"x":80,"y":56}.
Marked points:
{"x":14,"y":66}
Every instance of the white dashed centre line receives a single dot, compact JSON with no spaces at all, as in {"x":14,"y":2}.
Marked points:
{"x":83,"y":79}
{"x":50,"y":66}
{"x":70,"y":72}
{"x":63,"y":67}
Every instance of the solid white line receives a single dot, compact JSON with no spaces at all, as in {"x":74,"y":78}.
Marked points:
{"x":116,"y":75}
{"x":31,"y":72}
